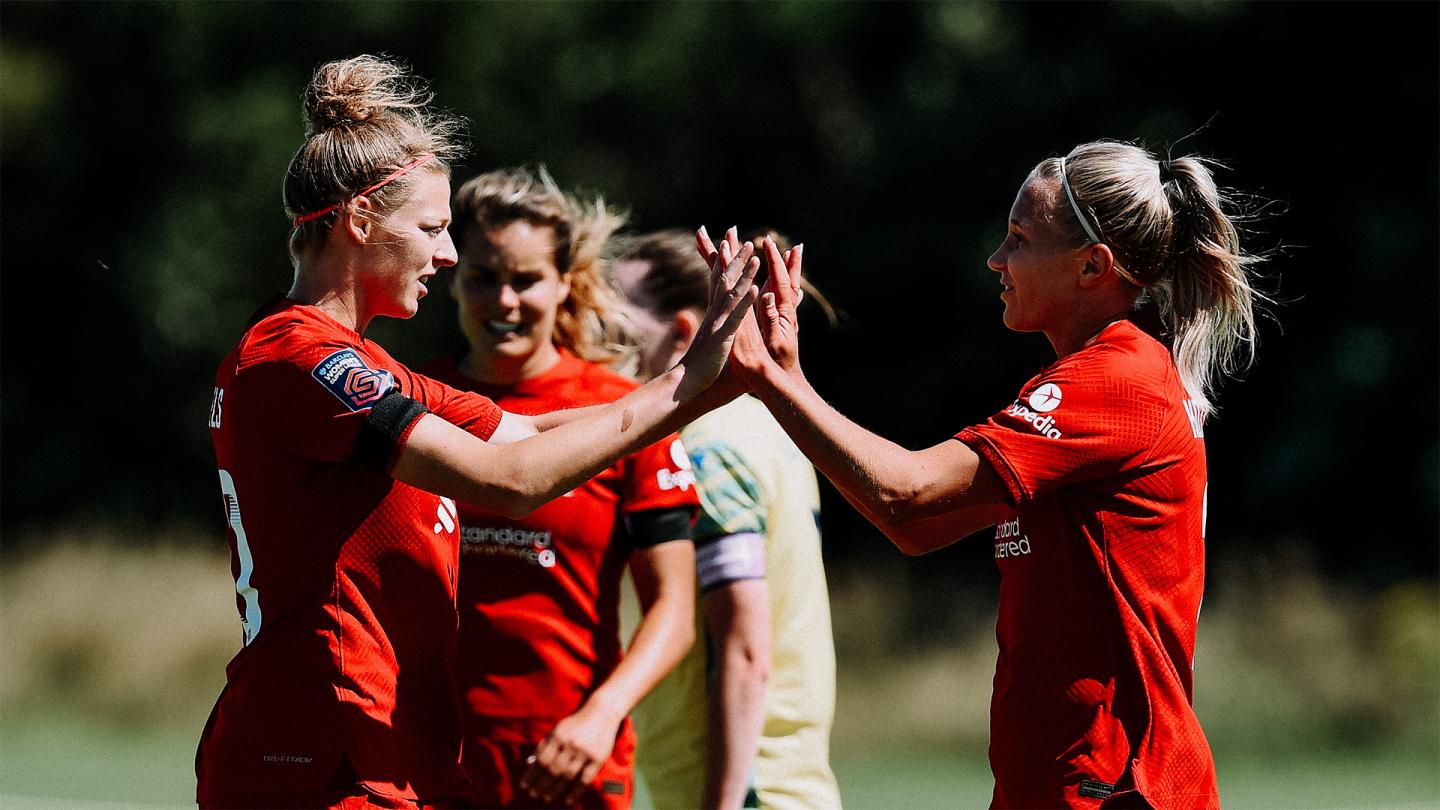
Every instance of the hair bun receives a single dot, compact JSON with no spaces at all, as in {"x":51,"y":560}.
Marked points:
{"x":360,"y":90}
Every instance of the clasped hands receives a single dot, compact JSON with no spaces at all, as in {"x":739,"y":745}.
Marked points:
{"x":772,"y":339}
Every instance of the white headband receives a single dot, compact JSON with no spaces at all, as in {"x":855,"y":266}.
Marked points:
{"x":1070,"y":195}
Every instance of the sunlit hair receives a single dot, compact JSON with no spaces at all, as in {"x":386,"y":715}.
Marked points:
{"x":1177,"y":243}
{"x":365,"y":117}
{"x":678,"y":278}
{"x":591,"y":321}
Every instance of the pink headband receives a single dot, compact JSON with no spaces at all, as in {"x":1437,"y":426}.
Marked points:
{"x":390,"y":178}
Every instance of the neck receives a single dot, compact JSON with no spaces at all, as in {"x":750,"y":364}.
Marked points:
{"x":1082,"y":332}
{"x":493,"y":369}
{"x":332,"y":287}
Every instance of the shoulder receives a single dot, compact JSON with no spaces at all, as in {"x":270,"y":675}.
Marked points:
{"x":288,"y":334}
{"x":1123,"y":363}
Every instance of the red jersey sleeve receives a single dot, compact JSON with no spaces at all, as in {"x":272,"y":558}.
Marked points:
{"x":312,"y":394}
{"x":659,"y":477}
{"x":1081,"y":419}
{"x":474,"y":413}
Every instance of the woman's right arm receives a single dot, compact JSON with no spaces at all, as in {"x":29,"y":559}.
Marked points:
{"x":921,"y":499}
{"x":515,"y":479}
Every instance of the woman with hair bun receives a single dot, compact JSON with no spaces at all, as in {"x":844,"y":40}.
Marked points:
{"x":338,"y":469}
{"x":546,"y":687}
{"x":1094,"y":477}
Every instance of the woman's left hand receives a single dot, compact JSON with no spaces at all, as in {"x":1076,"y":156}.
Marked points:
{"x":569,"y":758}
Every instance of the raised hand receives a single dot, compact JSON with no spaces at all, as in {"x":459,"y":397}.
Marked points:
{"x":732,"y":295}
{"x":778,"y":300}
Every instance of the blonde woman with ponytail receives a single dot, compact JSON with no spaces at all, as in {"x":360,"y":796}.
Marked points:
{"x":339,"y":469}
{"x":1094,"y":478}
{"x":546,"y":692}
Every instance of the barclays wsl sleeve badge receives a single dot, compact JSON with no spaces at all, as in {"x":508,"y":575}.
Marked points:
{"x":351,"y":381}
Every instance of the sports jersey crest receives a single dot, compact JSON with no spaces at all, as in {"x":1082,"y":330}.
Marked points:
{"x":351,"y":381}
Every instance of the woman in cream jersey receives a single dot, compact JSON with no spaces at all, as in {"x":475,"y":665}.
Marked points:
{"x":754,"y":730}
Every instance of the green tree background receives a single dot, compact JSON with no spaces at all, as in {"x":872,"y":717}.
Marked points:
{"x":142,"y":147}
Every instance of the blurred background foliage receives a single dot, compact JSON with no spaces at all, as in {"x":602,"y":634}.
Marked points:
{"x":142,"y":147}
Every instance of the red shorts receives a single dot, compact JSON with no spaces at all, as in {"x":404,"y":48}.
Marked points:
{"x":495,"y":757}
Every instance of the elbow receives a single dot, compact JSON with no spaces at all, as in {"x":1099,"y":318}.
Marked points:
{"x":750,"y":664}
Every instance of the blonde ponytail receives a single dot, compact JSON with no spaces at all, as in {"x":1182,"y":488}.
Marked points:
{"x":1174,"y":235}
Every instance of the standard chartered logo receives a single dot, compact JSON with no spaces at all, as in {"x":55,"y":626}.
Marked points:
{"x":532,"y":546}
{"x":1009,"y":540}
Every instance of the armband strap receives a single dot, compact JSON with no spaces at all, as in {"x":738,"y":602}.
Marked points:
{"x":652,"y":527}
{"x":384,"y":426}
{"x":729,"y":557}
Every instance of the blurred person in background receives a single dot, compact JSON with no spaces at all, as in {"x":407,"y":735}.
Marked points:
{"x":1094,"y":478}
{"x":332,"y":455}
{"x":546,"y":688}
{"x":745,"y":719}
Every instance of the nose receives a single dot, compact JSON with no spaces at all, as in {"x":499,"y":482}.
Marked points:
{"x":445,"y":253}
{"x":996,"y":261}
{"x":508,"y":298}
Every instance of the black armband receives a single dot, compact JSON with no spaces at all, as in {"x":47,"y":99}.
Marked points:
{"x":655,"y":526}
{"x":387,"y":421}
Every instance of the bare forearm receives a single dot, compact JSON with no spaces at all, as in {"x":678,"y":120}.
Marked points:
{"x":737,"y":714}
{"x":514,"y":479}
{"x":663,"y":637}
{"x":886,"y":482}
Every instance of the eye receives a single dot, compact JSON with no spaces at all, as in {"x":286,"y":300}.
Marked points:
{"x":1015,"y":239}
{"x":435,"y":231}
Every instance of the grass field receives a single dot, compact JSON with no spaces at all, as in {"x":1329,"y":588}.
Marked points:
{"x":58,"y":763}
{"x":1312,"y":695}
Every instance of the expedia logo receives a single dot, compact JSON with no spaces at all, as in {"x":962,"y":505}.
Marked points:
{"x":1009,"y":541}
{"x":1044,"y":424}
{"x":352,"y":382}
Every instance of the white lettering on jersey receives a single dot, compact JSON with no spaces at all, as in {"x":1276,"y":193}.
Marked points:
{"x":1009,"y":540}
{"x":1044,"y":425}
{"x":215,"y":407}
{"x":531,"y":546}
{"x":1197,"y":419}
{"x":250,"y":622}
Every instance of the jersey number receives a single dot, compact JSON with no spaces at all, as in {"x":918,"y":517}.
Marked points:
{"x":250,"y":621}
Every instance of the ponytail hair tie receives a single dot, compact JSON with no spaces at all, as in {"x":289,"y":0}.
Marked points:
{"x":1167,"y":171}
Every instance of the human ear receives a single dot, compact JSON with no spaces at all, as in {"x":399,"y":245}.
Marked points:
{"x":1099,"y":262}
{"x":358,"y":217}
{"x":682,"y":331}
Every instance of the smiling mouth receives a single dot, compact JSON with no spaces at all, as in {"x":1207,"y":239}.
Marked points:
{"x":503,"y":328}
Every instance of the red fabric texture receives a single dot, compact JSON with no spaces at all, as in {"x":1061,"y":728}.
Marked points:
{"x":352,"y":610}
{"x":1102,"y":572}
{"x":539,"y":596}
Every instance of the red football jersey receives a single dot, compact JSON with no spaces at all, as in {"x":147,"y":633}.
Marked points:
{"x":345,"y":578}
{"x":1102,"y":570}
{"x":539,"y":597}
